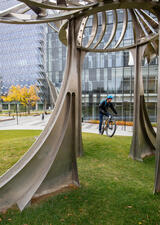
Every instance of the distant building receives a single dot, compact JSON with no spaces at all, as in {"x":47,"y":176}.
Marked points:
{"x":22,"y":55}
{"x":55,"y":57}
{"x":29,"y":53}
{"x":106,"y":74}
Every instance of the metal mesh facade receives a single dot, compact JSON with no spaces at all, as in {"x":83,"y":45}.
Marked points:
{"x":21,"y":52}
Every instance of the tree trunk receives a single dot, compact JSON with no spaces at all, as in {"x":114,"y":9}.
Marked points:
{"x":29,"y":109}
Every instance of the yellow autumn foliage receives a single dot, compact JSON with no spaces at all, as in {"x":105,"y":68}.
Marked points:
{"x":13,"y":94}
{"x":29,"y":96}
{"x":24,"y":95}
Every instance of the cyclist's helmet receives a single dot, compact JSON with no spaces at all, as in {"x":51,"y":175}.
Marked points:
{"x":109,"y":97}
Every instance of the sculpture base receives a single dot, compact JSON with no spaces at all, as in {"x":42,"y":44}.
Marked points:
{"x":43,"y":197}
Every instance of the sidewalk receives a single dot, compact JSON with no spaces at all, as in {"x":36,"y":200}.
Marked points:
{"x":23,"y":123}
{"x":121,"y":130}
{"x":36,"y":123}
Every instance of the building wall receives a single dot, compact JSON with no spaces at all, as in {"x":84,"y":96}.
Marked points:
{"x":106,"y":73}
{"x":22,"y":53}
{"x":23,"y":61}
{"x":97,"y":83}
{"x":56,"y":57}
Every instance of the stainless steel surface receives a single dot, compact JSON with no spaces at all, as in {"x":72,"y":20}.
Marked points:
{"x":53,"y":92}
{"x":113,"y":29}
{"x":144,"y":137}
{"x":94,"y":30}
{"x":104,"y":21}
{"x":157,"y":162}
{"x":124,"y":28}
{"x":50,"y":163}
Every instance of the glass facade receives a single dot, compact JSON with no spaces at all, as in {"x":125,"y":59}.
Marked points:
{"x":106,"y":73}
{"x":23,"y":61}
{"x":119,"y":82}
{"x":22,"y":54}
{"x":56,"y":57}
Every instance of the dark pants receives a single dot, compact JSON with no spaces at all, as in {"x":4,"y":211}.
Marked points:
{"x":101,"y":119}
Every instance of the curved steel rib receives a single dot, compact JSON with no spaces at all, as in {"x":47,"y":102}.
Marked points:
{"x":30,"y":19}
{"x":94,"y":30}
{"x":53,"y":91}
{"x":55,"y":7}
{"x":151,"y":134}
{"x":143,"y":141}
{"x":145,"y":23}
{"x":20,"y":183}
{"x":50,"y":163}
{"x":146,"y":143}
{"x":52,"y":27}
{"x":113,"y":30}
{"x":81,"y":31}
{"x":125,"y":23}
{"x":152,"y":22}
{"x":104,"y":21}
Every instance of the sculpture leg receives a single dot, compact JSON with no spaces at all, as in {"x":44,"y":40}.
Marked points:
{"x":53,"y":92}
{"x":50,"y":163}
{"x":78,"y":120}
{"x":157,"y":167}
{"x":143,"y":141}
{"x":76,"y":63}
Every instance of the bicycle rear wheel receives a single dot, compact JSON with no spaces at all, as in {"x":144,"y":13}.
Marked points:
{"x":111,"y":128}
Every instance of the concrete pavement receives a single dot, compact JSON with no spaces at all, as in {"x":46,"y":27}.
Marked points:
{"x":121,"y":130}
{"x":24,"y":122}
{"x":36,"y":123}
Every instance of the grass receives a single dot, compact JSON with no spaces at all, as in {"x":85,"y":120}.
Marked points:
{"x":115,"y":190}
{"x":13,"y":144}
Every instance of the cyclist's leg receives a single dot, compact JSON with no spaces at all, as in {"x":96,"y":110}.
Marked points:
{"x":100,"y":121}
{"x":109,"y":115}
{"x":109,"y":118}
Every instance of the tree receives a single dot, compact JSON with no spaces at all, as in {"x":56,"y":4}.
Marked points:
{"x":26,"y":96}
{"x":29,"y":96}
{"x":13,"y":94}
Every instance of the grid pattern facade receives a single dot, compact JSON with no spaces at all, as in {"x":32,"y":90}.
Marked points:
{"x":23,"y":62}
{"x":56,"y":57}
{"x":22,"y":59}
{"x":106,"y":73}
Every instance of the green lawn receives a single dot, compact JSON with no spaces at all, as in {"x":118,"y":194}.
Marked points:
{"x":115,"y":190}
{"x":13,"y":144}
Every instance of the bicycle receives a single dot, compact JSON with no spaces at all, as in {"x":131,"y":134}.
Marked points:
{"x":109,"y":125}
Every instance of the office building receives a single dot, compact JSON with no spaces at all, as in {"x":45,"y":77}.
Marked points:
{"x":22,"y":55}
{"x":106,"y":74}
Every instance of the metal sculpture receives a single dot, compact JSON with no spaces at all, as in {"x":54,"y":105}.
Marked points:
{"x":51,"y":162}
{"x":53,"y":92}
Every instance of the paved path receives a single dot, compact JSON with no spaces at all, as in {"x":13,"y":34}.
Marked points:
{"x":24,"y":122}
{"x":36,"y":123}
{"x":121,"y":130}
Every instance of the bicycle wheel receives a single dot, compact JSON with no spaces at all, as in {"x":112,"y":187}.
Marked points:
{"x":111,"y":128}
{"x":102,"y":129}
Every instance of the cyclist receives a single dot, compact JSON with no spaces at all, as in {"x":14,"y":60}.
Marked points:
{"x":103,"y":110}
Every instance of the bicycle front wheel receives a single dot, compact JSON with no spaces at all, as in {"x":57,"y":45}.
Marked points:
{"x":102,"y":130}
{"x":111,"y":128}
